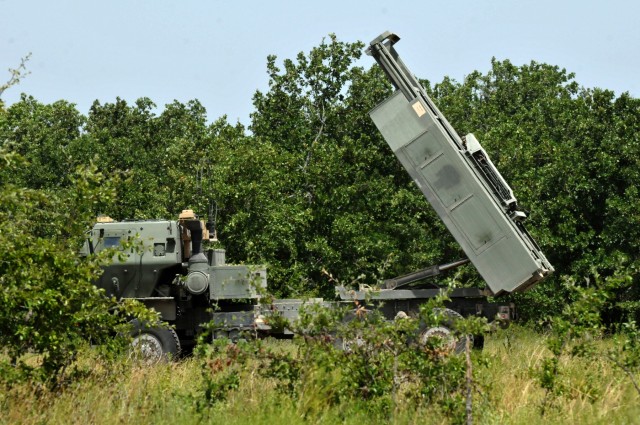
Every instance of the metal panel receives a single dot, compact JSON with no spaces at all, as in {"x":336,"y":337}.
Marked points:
{"x":166,"y":306}
{"x":462,"y":185}
{"x":236,"y":282}
{"x":406,"y":294}
{"x":139,"y":272}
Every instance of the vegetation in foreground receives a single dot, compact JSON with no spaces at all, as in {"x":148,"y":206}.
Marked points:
{"x":507,"y":392}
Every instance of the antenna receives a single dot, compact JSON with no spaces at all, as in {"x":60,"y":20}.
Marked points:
{"x":212,"y":219}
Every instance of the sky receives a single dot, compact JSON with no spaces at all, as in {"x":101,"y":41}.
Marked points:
{"x":216,"y":50}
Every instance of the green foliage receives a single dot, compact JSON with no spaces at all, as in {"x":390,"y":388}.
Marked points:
{"x":49,"y":307}
{"x":311,"y":189}
{"x":576,"y":332}
{"x":168,"y":393}
{"x":626,"y":351}
{"x":221,"y":366}
{"x":344,"y":203}
{"x":569,"y":153}
{"x":17,"y":74}
{"x":342,"y":356}
{"x":314,"y":187}
{"x":43,"y":135}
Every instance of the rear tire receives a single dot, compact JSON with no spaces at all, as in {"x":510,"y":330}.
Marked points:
{"x":451,"y":344}
{"x":153,"y":344}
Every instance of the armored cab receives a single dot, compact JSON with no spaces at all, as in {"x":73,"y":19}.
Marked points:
{"x":161,"y":264}
{"x":153,"y":259}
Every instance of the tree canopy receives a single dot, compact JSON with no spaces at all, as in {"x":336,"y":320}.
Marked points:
{"x":311,"y":189}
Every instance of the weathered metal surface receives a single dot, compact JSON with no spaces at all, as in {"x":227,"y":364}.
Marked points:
{"x":166,"y":306}
{"x":406,"y":294}
{"x":135,"y":272}
{"x":458,"y":179}
{"x":236,"y":282}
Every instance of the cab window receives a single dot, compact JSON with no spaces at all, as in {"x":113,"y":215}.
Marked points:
{"x":111,"y":241}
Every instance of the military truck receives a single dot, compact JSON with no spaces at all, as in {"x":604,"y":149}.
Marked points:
{"x":173,"y":275}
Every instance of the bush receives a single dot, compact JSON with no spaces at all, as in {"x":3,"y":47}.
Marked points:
{"x":49,"y":307}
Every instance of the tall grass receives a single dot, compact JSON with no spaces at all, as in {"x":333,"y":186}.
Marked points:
{"x":595,"y":393}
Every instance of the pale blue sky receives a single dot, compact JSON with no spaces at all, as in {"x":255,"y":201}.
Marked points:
{"x":216,"y":50}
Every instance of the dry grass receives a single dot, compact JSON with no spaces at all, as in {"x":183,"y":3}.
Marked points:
{"x":596,"y":393}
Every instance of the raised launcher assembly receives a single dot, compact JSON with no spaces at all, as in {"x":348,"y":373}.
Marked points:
{"x":457,"y":177}
{"x":192,"y":286}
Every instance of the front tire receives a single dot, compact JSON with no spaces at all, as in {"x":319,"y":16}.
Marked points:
{"x":444,"y":332}
{"x":153,"y":344}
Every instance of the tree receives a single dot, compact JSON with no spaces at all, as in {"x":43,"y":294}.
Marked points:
{"x":312,"y":190}
{"x":49,"y":307}
{"x":570,"y":155}
{"x":345,"y":205}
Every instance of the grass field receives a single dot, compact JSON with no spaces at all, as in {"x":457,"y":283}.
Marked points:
{"x":595,"y":392}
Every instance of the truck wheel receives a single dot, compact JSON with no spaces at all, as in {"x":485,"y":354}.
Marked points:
{"x":153,"y":344}
{"x":445,"y":332}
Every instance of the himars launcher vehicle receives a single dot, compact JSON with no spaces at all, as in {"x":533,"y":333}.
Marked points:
{"x":175,"y":277}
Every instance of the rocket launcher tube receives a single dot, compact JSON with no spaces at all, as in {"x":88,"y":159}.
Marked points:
{"x":457,"y":178}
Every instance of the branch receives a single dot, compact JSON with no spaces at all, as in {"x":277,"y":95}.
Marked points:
{"x":322,"y":119}
{"x":625,"y":370}
{"x":17,"y":74}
